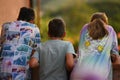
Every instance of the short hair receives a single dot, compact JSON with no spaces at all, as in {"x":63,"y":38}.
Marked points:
{"x":56,"y":27}
{"x":26,"y":14}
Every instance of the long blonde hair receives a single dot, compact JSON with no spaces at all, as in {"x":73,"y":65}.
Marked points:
{"x":97,"y":26}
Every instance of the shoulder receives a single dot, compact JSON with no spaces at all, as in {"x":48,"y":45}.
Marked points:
{"x":24,"y":23}
{"x":84,"y":28}
{"x":58,"y":42}
{"x":110,"y":28}
{"x":6,"y":24}
{"x":67,"y":43}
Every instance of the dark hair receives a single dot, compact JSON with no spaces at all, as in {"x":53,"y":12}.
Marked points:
{"x":26,"y":14}
{"x":56,"y":27}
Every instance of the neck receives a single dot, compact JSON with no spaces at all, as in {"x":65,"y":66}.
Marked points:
{"x":55,"y":38}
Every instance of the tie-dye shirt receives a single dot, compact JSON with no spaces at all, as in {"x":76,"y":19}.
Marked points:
{"x":20,"y":39}
{"x":94,"y":61}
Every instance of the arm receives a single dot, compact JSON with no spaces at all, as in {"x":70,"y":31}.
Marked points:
{"x":33,"y":62}
{"x":34,"y":55}
{"x":114,"y":49}
{"x":69,"y":61}
{"x":2,"y":37}
{"x":69,"y":57}
{"x":83,"y":33}
{"x":37,"y":38}
{"x":3,"y":32}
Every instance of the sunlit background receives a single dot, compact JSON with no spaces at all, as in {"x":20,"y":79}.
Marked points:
{"x":76,"y":13}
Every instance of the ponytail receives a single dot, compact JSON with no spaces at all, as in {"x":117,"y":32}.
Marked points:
{"x":97,"y":29}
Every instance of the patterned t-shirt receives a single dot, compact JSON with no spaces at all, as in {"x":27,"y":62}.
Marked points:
{"x":20,"y":39}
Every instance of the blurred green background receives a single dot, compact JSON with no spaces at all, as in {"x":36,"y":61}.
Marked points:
{"x":76,"y":13}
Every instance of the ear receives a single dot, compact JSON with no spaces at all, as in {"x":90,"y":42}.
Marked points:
{"x":48,"y":34}
{"x":31,"y":21}
{"x":64,"y":34}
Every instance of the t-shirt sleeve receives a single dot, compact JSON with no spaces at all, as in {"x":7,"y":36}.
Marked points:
{"x":114,"y":43}
{"x":70,"y":48}
{"x":36,"y":54}
{"x":3,"y":31}
{"x":37,"y":38}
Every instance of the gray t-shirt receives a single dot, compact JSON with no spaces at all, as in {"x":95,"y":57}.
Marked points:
{"x":51,"y":56}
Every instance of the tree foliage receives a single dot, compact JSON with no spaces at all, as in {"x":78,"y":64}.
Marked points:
{"x":78,"y":13}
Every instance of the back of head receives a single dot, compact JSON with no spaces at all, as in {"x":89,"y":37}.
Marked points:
{"x":26,"y":14}
{"x":100,"y":15}
{"x":97,"y":26}
{"x":56,"y":28}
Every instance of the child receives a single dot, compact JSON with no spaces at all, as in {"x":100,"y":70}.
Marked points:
{"x":98,"y":41}
{"x":55,"y":56}
{"x":19,"y":39}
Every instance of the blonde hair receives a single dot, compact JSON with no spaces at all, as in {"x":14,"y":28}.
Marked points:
{"x":97,"y":26}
